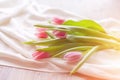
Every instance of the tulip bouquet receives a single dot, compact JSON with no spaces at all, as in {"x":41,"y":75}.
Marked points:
{"x":74,"y":41}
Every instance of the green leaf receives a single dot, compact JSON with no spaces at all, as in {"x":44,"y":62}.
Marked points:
{"x":85,"y":23}
{"x":79,"y":48}
{"x":52,"y":42}
{"x":56,"y":49}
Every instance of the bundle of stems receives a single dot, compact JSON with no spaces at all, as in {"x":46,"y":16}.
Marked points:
{"x":79,"y":38}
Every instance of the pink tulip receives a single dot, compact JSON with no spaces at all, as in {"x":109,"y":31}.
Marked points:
{"x":42,"y":34}
{"x":40,"y":55}
{"x":58,"y":21}
{"x":59,"y":34}
{"x":73,"y":56}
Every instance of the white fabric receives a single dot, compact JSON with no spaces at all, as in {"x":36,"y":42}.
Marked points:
{"x":16,"y":27}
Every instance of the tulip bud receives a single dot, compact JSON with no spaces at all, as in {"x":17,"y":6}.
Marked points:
{"x":42,"y":34}
{"x":58,"y":21}
{"x":59,"y":34}
{"x":72,"y":57}
{"x":40,"y":55}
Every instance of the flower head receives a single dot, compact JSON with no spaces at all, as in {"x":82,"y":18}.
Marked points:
{"x":59,"y":34}
{"x":42,"y":34}
{"x":58,"y":21}
{"x":73,"y":56}
{"x":40,"y":55}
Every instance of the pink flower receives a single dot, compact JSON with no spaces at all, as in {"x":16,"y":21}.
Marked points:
{"x":40,"y":55}
{"x":59,"y":34}
{"x":42,"y":34}
{"x":58,"y":21}
{"x":73,"y":56}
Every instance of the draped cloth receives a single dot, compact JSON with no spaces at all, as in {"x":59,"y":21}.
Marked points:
{"x":16,"y":27}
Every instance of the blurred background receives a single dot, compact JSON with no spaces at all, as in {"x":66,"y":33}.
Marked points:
{"x":94,"y":9}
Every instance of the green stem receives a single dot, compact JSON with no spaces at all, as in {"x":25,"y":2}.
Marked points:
{"x":50,"y":35}
{"x":54,"y":50}
{"x":86,"y":31}
{"x":85,"y":58}
{"x":95,"y":40}
{"x":80,"y":48}
{"x":51,"y":27}
{"x":48,"y":42}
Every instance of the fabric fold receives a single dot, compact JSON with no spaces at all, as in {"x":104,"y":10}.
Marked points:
{"x":17,"y":26}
